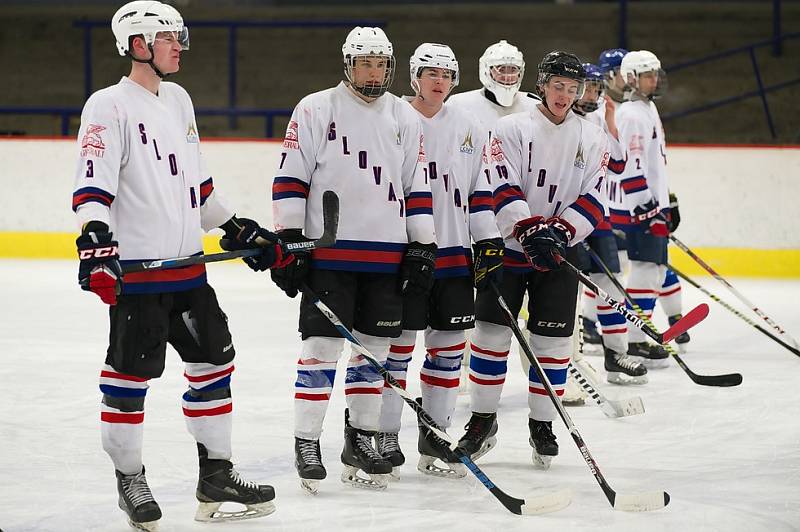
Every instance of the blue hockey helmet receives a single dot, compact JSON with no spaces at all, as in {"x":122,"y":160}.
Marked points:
{"x":611,"y":59}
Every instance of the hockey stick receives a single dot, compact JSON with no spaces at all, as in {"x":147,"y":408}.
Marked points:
{"x":735,"y":292}
{"x":629,"y":502}
{"x":530,"y":506}
{"x":611,"y":408}
{"x":728,"y":379}
{"x":689,"y":320}
{"x":330,"y":222}
{"x":733,"y":310}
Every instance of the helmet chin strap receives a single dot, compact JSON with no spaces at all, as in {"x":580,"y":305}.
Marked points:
{"x":160,"y":74}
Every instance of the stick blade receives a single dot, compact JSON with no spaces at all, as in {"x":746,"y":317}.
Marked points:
{"x":547,"y":502}
{"x":641,"y":502}
{"x":722,"y":381}
{"x":689,"y":320}
{"x":623,"y":408}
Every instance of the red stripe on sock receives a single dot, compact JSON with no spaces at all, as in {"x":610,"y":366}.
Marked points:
{"x":114,"y":417}
{"x":224,"y":409}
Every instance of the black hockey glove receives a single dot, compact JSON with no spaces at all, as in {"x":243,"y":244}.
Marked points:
{"x":416,"y":269}
{"x":544,"y":241}
{"x":291,"y":276}
{"x":99,"y":271}
{"x":674,"y":213}
{"x":244,"y":233}
{"x":488,"y":262}
{"x":647,"y":217}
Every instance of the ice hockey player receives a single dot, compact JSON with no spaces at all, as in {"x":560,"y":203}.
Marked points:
{"x":501,"y":69}
{"x":620,"y":368}
{"x":142,"y":193}
{"x":549,"y":166}
{"x":463,"y":211}
{"x":645,"y":187}
{"x":365,"y":144}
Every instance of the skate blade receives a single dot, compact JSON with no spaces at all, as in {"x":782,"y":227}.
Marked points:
{"x":683,"y":348}
{"x":394,"y":476}
{"x":541,"y":461}
{"x":428,"y":466}
{"x":209,"y":512}
{"x":310,"y":485}
{"x":618,"y":377}
{"x":374,"y":481}
{"x":149,"y":526}
{"x":487,"y":446}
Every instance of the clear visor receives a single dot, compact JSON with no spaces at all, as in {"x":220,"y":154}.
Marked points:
{"x":171,"y":37}
{"x":505,"y":74}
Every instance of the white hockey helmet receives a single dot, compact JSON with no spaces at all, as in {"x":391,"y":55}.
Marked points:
{"x":366,"y":41}
{"x":498,"y":54}
{"x":636,"y":63}
{"x":147,"y":18}
{"x":432,"y":55}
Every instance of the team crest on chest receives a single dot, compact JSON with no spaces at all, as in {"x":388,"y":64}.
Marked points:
{"x":92,"y":142}
{"x":191,"y":134}
{"x":580,"y":160}
{"x":467,"y":146}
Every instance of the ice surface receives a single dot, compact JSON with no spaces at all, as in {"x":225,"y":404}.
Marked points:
{"x":729,"y":457}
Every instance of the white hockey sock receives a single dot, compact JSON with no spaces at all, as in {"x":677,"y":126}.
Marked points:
{"x":207,"y":407}
{"x":363,"y":385}
{"x":440,"y":373}
{"x":397,"y":362}
{"x":488,"y":363}
{"x":122,"y":418}
{"x":553,"y":355}
{"x":316,"y":370}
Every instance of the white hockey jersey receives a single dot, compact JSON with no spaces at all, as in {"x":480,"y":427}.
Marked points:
{"x":544,"y":169}
{"x":616,"y":164}
{"x":372,"y":156}
{"x":463,"y":206}
{"x":645,"y":174}
{"x":141,"y":172}
{"x":488,"y":112}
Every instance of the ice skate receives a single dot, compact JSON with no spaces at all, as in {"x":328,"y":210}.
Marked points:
{"x":683,"y":338}
{"x":219,"y":483}
{"x":653,"y":356}
{"x":308,"y":461}
{"x":359,"y":455}
{"x":623,"y":369}
{"x":480,"y":436}
{"x":387,"y":445}
{"x":435,"y":456}
{"x":136,"y":500}
{"x":543,"y":442}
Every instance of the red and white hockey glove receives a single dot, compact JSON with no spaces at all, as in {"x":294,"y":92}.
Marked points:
{"x":99,"y":270}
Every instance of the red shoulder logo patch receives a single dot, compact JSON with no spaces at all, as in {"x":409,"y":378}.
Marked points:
{"x":291,"y":139}
{"x":92,"y":142}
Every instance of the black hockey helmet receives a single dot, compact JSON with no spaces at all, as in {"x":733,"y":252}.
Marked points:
{"x":562,"y":64}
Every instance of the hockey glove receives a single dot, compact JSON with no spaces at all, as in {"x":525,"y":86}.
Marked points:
{"x":289,"y":277}
{"x":416,"y":269}
{"x":488,"y":263}
{"x":647,"y":215}
{"x":674,"y":213}
{"x":99,"y":270}
{"x":544,"y":241}
{"x":243,"y":233}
